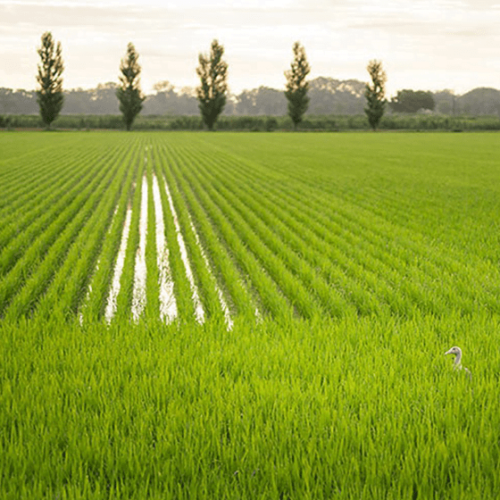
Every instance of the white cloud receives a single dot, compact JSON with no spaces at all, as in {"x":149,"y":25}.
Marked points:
{"x":423,"y":43}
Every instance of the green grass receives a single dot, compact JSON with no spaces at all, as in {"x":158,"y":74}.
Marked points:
{"x":367,"y":257}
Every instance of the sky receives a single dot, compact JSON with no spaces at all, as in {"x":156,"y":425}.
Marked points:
{"x":423,"y":44}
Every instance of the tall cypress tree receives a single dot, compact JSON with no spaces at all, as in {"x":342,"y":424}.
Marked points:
{"x":213,"y":84}
{"x":129,"y":92}
{"x":50,"y":97}
{"x":297,"y":85}
{"x":375,"y":93}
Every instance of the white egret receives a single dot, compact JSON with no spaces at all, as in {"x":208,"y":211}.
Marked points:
{"x":457,"y":364}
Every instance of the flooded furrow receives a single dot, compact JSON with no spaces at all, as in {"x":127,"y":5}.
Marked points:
{"x":168,"y":304}
{"x":140,"y":270}
{"x":89,"y":288}
{"x":199,"y":312}
{"x":222,"y":300}
{"x":120,"y":261}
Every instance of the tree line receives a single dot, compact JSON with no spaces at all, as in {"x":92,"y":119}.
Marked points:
{"x":328,"y":96}
{"x":211,"y":93}
{"x":211,"y":98}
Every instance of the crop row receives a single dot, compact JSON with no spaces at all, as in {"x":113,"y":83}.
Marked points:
{"x":23,"y":285}
{"x":29,"y":177}
{"x":184,"y":230}
{"x":355,"y":236}
{"x":341,"y":259}
{"x":248,"y":316}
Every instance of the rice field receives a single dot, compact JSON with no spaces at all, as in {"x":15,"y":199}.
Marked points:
{"x":238,"y":315}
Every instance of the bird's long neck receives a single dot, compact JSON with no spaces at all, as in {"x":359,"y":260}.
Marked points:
{"x":458,"y":359}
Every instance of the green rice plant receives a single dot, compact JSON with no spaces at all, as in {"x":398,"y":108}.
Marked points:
{"x":94,"y":304}
{"x":341,"y":262}
{"x":203,"y":276}
{"x":16,"y":240}
{"x":395,"y":302}
{"x":124,"y":298}
{"x":46,"y":216}
{"x":444,"y":264}
{"x":152,"y":283}
{"x":67,"y":289}
{"x":280,"y":406}
{"x":17,"y":194}
{"x":43,"y":194}
{"x":44,"y":171}
{"x":14,"y":147}
{"x":181,"y":288}
{"x":271,"y":297}
{"x":265,"y":215}
{"x":273,"y":263}
{"x":309,"y":410}
{"x":32,"y":171}
{"x":17,"y":300}
{"x":28,"y":166}
{"x":423,"y":270}
{"x":453,"y":159}
{"x":436,"y":304}
{"x":230,"y":278}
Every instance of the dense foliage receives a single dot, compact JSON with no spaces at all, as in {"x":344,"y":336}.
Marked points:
{"x":211,"y":93}
{"x":50,"y":96}
{"x":334,"y":123}
{"x":129,"y":91}
{"x":375,"y":93}
{"x":327,"y":96}
{"x":410,"y":101}
{"x":297,"y":85}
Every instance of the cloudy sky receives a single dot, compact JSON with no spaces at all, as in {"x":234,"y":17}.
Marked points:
{"x":423,"y":44}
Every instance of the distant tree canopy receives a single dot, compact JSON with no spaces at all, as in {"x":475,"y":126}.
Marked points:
{"x":129,"y":92}
{"x":169,"y":101}
{"x":297,"y":85}
{"x":331,"y":96}
{"x":50,"y":96}
{"x":211,"y":93}
{"x":375,"y":93}
{"x":328,"y":96}
{"x":411,"y":101}
{"x":481,"y":101}
{"x":446,"y":102}
{"x":261,"y":101}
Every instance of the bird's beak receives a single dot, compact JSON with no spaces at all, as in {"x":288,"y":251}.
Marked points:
{"x":447,"y":352}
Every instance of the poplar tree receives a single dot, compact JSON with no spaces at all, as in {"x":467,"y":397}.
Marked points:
{"x":213,"y":84}
{"x":297,"y":85}
{"x":129,"y":92}
{"x":50,"y":97}
{"x":375,"y":93}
